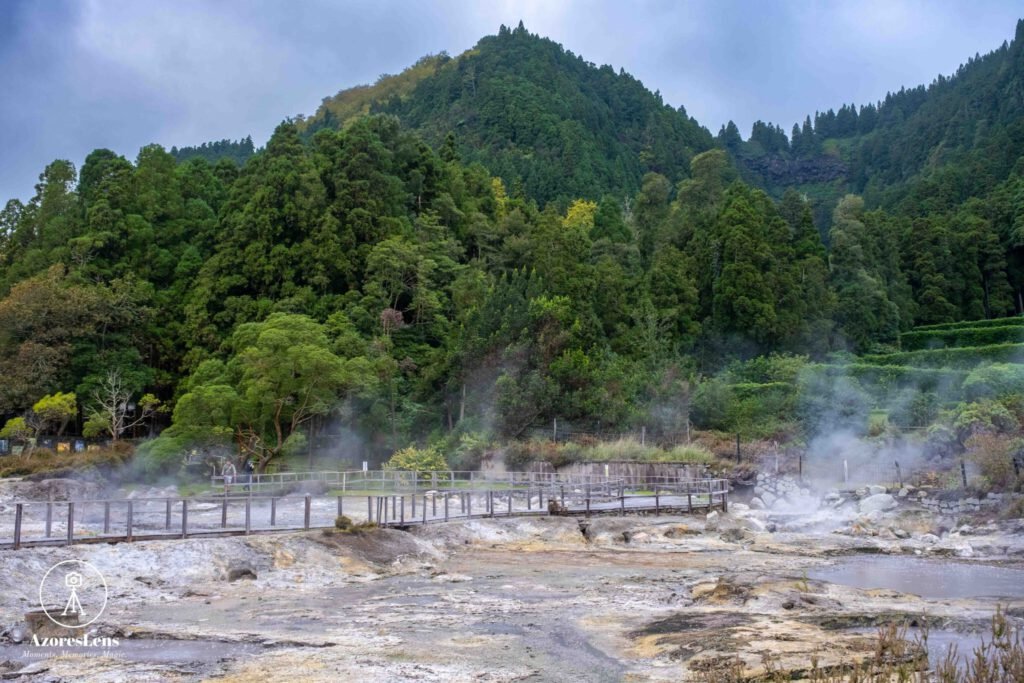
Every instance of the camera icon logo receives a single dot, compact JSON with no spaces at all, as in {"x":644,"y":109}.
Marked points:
{"x":73,"y":594}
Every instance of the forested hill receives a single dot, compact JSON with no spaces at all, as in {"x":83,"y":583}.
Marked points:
{"x":374,"y":275}
{"x":549,"y":123}
{"x":918,"y":150}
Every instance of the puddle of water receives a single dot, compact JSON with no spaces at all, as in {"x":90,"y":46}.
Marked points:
{"x":924,"y":577}
{"x":939,"y":642}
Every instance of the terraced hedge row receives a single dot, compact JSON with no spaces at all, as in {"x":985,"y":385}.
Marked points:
{"x":962,"y":336}
{"x":1017,"y":320}
{"x":927,"y":379}
{"x":954,"y":358}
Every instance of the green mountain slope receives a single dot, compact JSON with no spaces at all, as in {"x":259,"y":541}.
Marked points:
{"x":920,"y":149}
{"x":549,"y":123}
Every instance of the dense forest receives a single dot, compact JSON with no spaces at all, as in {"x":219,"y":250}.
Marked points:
{"x":500,"y":238}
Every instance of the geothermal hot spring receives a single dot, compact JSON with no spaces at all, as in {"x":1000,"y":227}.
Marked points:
{"x":791,"y":573}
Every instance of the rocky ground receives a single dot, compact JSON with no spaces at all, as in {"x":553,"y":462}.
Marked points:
{"x":544,"y":599}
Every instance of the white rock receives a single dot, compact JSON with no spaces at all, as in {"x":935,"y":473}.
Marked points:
{"x":754,"y":524}
{"x":903,"y":493}
{"x":878,"y":502}
{"x":757,"y":504}
{"x":769,"y":499}
{"x":711,"y":521}
{"x":930,"y":539}
{"x":875,"y":490}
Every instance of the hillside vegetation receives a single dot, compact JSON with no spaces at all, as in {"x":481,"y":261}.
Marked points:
{"x":492,"y":241}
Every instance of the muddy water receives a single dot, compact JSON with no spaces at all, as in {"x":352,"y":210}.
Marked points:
{"x":927,"y":578}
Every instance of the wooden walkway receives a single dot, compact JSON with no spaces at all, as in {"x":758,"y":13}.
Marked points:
{"x":51,"y":523}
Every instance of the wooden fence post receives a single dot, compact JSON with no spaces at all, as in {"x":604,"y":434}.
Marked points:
{"x":446,"y":507}
{"x":129,"y":519}
{"x":167,"y":519}
{"x":340,"y":507}
{"x":305,"y":517}
{"x":71,"y":523}
{"x":248,"y":515}
{"x":49,"y":516}
{"x":184,"y":518}
{"x":18,"y":510}
{"x":106,"y":517}
{"x":273,"y":511}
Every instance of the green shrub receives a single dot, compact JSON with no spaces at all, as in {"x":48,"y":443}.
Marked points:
{"x":997,"y":322}
{"x":951,"y":358}
{"x":983,"y":416}
{"x":469,"y":451}
{"x":414,"y":459}
{"x":961,"y":337}
{"x":998,"y":380}
{"x":915,"y":408}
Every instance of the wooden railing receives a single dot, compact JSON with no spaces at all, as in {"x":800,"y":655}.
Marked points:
{"x":30,"y":523}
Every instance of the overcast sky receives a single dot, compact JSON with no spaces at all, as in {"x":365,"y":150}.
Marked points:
{"x":84,"y":74}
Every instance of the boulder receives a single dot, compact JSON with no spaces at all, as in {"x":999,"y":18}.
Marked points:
{"x":875,"y":490}
{"x":903,"y":493}
{"x":757,"y":504}
{"x":878,"y":502}
{"x":754,"y":524}
{"x":711,"y":521}
{"x":768,"y":498}
{"x":930,"y":539}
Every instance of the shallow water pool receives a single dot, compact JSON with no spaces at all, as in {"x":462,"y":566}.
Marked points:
{"x":927,"y":578}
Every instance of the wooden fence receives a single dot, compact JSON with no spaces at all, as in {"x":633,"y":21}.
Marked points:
{"x":35,"y":523}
